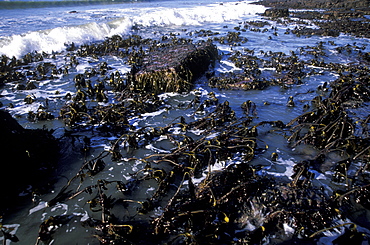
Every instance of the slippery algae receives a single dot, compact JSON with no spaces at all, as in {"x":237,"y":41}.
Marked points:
{"x":173,"y":68}
{"x":233,"y":205}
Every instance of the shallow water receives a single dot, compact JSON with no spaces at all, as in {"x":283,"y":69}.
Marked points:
{"x":52,"y":27}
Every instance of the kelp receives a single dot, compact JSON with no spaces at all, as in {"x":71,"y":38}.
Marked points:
{"x":206,"y":188}
{"x":289,"y":70}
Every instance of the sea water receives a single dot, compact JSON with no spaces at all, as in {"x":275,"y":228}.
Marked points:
{"x":50,"y":26}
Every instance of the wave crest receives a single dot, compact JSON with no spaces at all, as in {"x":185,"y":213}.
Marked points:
{"x":56,"y":39}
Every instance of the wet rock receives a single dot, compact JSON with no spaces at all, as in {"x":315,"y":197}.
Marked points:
{"x":364,"y":4}
{"x":28,"y":157}
{"x":276,"y":12}
{"x":173,"y":68}
{"x":319,"y":32}
{"x":338,"y":16}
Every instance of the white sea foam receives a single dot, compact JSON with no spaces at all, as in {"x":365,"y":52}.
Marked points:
{"x":60,"y":207}
{"x":218,"y":166}
{"x":143,"y":117}
{"x":155,"y":149}
{"x":212,"y":136}
{"x":227,"y":66}
{"x":288,"y":229}
{"x":216,"y":13}
{"x":12,"y":228}
{"x":153,"y":114}
{"x":39,"y":207}
{"x":332,"y":234}
{"x":55,"y":39}
{"x":197,"y":131}
{"x":281,"y":168}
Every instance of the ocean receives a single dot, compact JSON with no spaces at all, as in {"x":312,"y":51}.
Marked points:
{"x":53,"y":26}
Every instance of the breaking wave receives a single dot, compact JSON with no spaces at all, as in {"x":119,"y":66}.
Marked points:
{"x":125,"y":19}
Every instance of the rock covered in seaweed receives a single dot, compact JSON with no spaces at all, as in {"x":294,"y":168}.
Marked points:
{"x":318,"y":4}
{"x":276,"y":12}
{"x":332,"y":16}
{"x":173,"y":68}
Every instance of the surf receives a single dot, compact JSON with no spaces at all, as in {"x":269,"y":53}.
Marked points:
{"x":120,"y":21}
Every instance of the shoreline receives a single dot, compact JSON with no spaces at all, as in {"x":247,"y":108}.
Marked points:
{"x":333,"y":17}
{"x":329,"y":5}
{"x":222,"y":206}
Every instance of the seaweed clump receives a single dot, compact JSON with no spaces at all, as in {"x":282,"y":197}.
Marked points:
{"x":235,"y":204}
{"x":336,"y":124}
{"x":288,"y":71}
{"x":205,"y":188}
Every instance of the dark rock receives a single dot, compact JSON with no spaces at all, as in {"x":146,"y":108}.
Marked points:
{"x":366,"y":56}
{"x":173,"y":68}
{"x":339,"y":16}
{"x":28,"y":157}
{"x":276,"y":12}
{"x":317,"y":4}
{"x":8,"y":125}
{"x":320,"y":32}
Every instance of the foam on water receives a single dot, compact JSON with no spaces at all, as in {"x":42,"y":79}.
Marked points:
{"x":120,"y":22}
{"x":56,"y":39}
{"x":13,"y":230}
{"x":217,"y":13}
{"x":39,"y":207}
{"x":281,"y":168}
{"x":155,"y":149}
{"x":89,"y":25}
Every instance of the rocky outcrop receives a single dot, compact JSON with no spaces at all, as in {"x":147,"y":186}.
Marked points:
{"x":331,"y":16}
{"x":173,"y":68}
{"x":276,"y":12}
{"x":28,"y":157}
{"x":318,"y":4}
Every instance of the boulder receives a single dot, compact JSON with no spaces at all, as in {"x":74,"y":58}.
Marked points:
{"x":28,"y":158}
{"x":173,"y":68}
{"x":276,"y":12}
